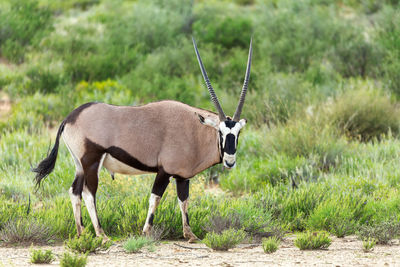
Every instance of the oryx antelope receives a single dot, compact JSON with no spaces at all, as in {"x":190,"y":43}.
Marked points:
{"x":169,"y":138}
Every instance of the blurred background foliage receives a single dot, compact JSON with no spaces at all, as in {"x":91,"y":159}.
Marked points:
{"x":322,"y":107}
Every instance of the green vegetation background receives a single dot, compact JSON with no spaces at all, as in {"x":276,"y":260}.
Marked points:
{"x":321,"y":149}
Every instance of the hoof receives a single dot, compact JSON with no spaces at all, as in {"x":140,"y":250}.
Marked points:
{"x":192,"y":238}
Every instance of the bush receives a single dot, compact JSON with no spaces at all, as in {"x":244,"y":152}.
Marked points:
{"x":39,"y":257}
{"x":312,"y":240}
{"x":24,"y":230}
{"x":24,"y":24}
{"x":226,"y":240}
{"x":368,"y":244}
{"x":371,"y":116}
{"x":134,"y":244}
{"x":298,"y":35}
{"x":388,"y":37}
{"x":310,"y":138}
{"x":86,"y":243}
{"x":338,"y":214}
{"x":72,"y":260}
{"x":381,"y":232}
{"x":217,"y":25}
{"x":109,"y":91}
{"x":270,"y":245}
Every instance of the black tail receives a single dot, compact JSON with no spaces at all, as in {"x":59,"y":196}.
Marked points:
{"x":46,"y":166}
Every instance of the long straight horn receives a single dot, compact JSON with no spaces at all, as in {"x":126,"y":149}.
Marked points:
{"x":214,"y":97}
{"x":238,"y":111}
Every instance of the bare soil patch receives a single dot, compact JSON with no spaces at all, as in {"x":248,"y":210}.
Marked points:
{"x":343,"y":252}
{"x":5,"y":105}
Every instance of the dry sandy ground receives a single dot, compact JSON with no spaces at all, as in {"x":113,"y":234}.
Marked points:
{"x":342,"y":252}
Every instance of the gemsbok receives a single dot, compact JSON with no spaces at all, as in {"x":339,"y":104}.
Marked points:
{"x":167,"y":137}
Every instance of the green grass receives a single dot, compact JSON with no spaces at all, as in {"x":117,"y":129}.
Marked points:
{"x":224,"y":241}
{"x":40,"y":257}
{"x":312,"y":240}
{"x":382,"y":232}
{"x":368,"y":244}
{"x":135,"y":244}
{"x":270,"y":244}
{"x":86,"y":243}
{"x":73,"y":260}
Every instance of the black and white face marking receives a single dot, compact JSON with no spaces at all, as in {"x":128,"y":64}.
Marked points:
{"x":228,"y":132}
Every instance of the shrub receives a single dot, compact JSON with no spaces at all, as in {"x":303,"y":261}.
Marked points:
{"x":371,"y":116}
{"x":39,"y":257}
{"x":309,"y":138}
{"x":338,"y":214}
{"x":72,"y":260}
{"x":24,"y":230}
{"x":134,"y":244}
{"x":312,"y":240}
{"x":214,"y":24}
{"x":381,"y":232}
{"x":109,"y":91}
{"x":86,"y":243}
{"x":22,"y":25}
{"x":388,"y":37}
{"x":217,"y":223}
{"x":270,"y":245}
{"x":226,"y":240}
{"x":296,"y":35}
{"x":368,"y":244}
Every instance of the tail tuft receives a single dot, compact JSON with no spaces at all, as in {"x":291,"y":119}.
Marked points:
{"x":46,"y":166}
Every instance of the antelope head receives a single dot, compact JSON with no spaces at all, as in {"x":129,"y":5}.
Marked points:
{"x":228,"y":129}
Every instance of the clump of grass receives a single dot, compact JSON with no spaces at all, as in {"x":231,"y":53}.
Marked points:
{"x":270,"y":244}
{"x":86,"y":243}
{"x":226,"y":240}
{"x":26,"y":231}
{"x":371,"y":116}
{"x":369,"y":244}
{"x":39,"y":256}
{"x":134,"y":244}
{"x":312,"y":240}
{"x":73,"y":260}
{"x":217,"y":223}
{"x":382,"y":232}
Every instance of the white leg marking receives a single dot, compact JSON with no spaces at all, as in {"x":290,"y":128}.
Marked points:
{"x":76,"y":207}
{"x":101,"y":164}
{"x":153,"y":203}
{"x":91,"y":207}
{"x":184,"y":207}
{"x":187,"y":231}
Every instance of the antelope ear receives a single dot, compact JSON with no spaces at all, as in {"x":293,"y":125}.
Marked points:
{"x":242,"y":123}
{"x":208,"y":121}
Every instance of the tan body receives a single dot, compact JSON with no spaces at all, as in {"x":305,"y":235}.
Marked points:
{"x":163,"y":134}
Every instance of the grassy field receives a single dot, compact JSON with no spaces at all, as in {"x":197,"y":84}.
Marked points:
{"x":321,"y":150}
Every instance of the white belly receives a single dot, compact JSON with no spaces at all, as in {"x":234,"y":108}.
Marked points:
{"x":115,"y":166}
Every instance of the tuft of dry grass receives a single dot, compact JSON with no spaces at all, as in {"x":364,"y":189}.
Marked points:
{"x":26,"y":231}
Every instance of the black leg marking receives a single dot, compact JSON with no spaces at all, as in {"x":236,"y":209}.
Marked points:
{"x":187,"y":219}
{"x":151,"y":219}
{"x":182,"y":188}
{"x":77,"y":185}
{"x":161,"y":183}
